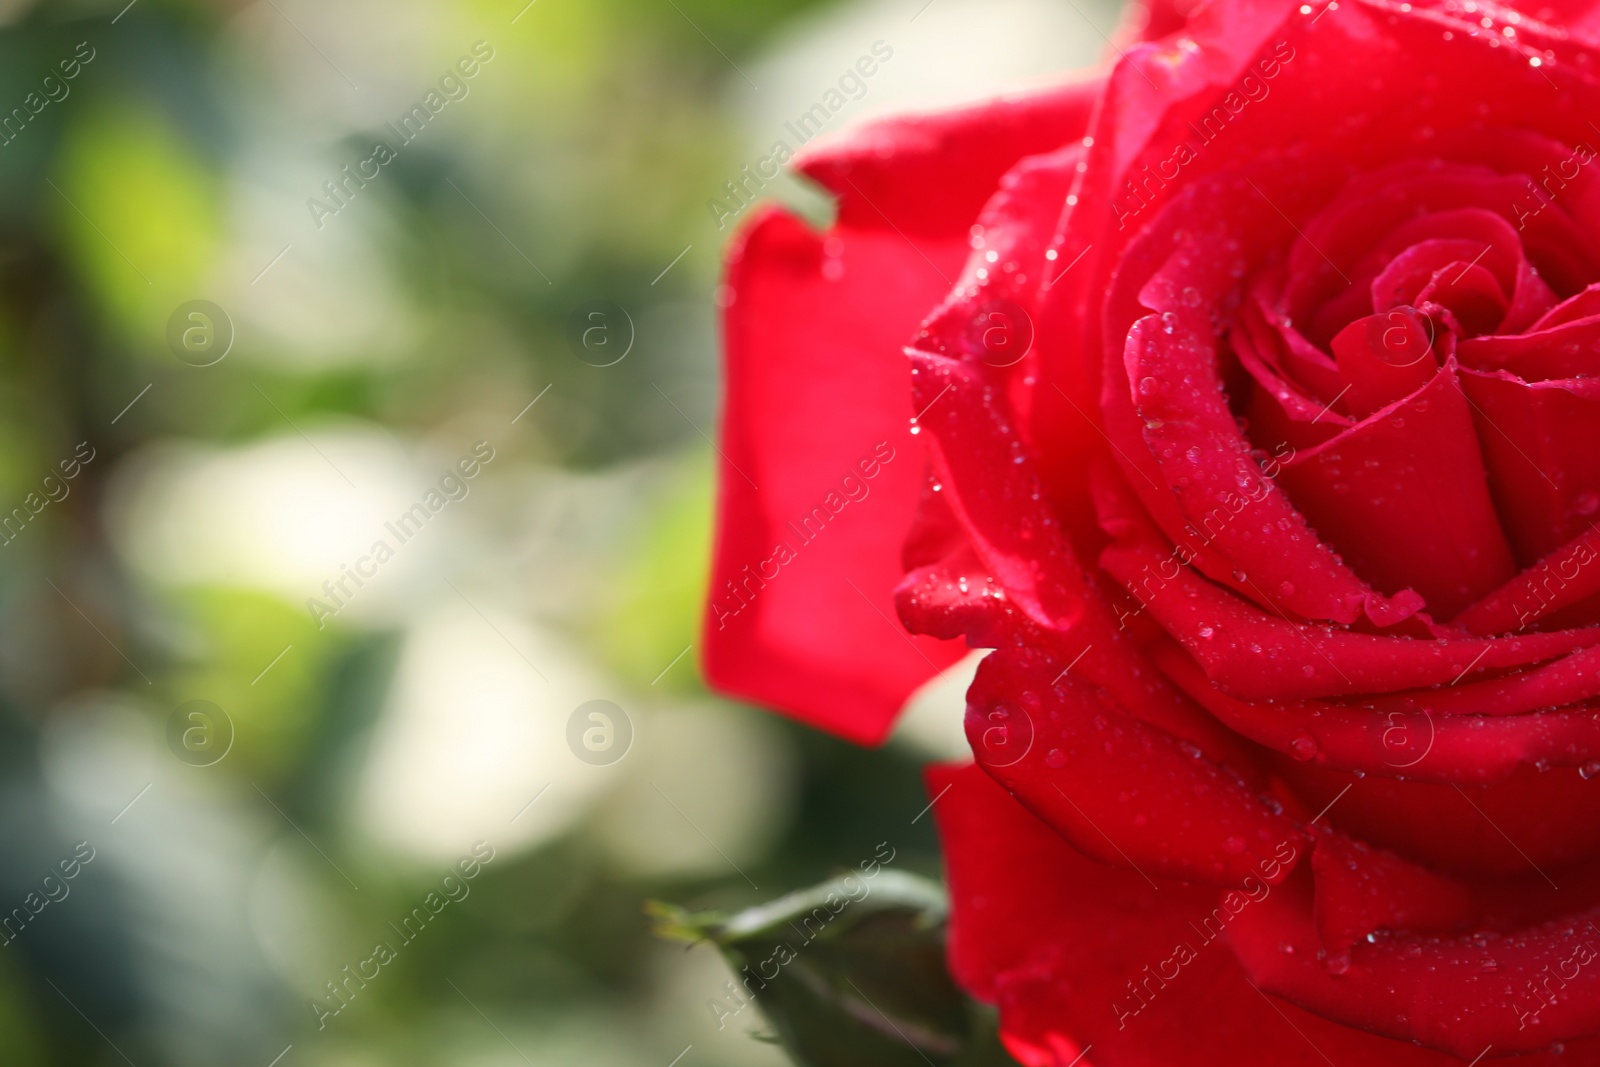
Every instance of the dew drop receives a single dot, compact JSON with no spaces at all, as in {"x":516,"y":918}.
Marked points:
{"x":1589,"y":770}
{"x":1055,"y":758}
{"x":1303,"y":747}
{"x":1338,"y":963}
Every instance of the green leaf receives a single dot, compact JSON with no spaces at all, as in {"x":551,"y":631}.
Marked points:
{"x":849,"y":972}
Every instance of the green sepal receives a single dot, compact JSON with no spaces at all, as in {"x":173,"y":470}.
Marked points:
{"x":850,"y":972}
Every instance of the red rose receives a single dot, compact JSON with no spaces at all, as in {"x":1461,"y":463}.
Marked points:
{"x":1258,"y":389}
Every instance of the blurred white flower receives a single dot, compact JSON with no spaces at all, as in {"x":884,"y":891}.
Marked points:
{"x":944,"y":52}
{"x":681,"y":983}
{"x":931,"y":721}
{"x":472,"y":733}
{"x":284,"y":515}
{"x":708,"y":789}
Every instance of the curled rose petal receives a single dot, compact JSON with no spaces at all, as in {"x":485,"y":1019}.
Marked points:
{"x":1123,"y":792}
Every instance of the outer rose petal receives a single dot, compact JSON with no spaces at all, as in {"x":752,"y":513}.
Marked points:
{"x":815,"y":383}
{"x":933,"y":173}
{"x":1464,"y":994}
{"x":816,"y":379}
{"x":1125,"y":792}
{"x":1056,"y":940}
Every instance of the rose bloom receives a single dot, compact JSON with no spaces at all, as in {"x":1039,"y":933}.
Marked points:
{"x":1244,"y":399}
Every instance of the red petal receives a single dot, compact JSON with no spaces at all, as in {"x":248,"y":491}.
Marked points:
{"x":1566,"y":350}
{"x":1414,"y":742}
{"x":1256,"y":656}
{"x":1542,"y":445}
{"x":1074,"y":952}
{"x":1533,"y":825}
{"x":1207,"y":463}
{"x":810,"y":629}
{"x":1403,"y":496}
{"x":1384,"y":358}
{"x":1129,"y":794}
{"x":933,"y":173}
{"x":1462,"y":995}
{"x":1361,"y":890}
{"x":1560,"y":580}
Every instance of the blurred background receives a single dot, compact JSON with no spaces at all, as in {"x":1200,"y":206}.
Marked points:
{"x":241,"y":347}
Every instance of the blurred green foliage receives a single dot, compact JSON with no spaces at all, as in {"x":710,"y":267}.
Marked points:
{"x":176,"y":169}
